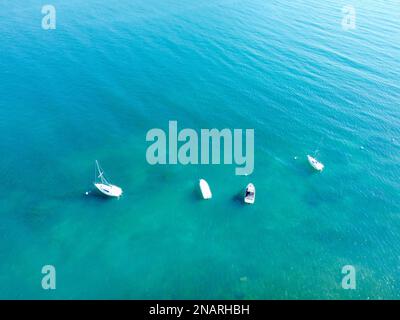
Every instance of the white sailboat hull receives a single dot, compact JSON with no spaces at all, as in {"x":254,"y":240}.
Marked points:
{"x":315,"y":163}
{"x":109,"y":190}
{"x":205,"y":189}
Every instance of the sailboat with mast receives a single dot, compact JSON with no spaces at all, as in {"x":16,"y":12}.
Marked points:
{"x":103,"y":185}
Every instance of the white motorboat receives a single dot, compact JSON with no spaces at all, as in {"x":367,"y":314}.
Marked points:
{"x":315,"y":163}
{"x":250,"y":195}
{"x":104,"y":186}
{"x":205,"y":189}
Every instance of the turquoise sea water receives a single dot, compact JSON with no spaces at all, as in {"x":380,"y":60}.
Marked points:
{"x":112,"y":70}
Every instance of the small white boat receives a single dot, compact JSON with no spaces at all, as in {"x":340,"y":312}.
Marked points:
{"x":205,"y":189}
{"x":103,"y":185}
{"x":250,"y":194}
{"x":315,"y":163}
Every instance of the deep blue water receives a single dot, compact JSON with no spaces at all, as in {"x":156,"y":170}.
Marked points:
{"x":112,"y":70}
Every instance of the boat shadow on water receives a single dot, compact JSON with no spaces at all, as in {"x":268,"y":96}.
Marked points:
{"x":196,"y":193}
{"x":305,"y":170}
{"x":237,"y":198}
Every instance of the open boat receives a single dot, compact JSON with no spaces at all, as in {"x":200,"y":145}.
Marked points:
{"x":205,"y":189}
{"x":250,"y":195}
{"x":315,"y":163}
{"x":103,"y":185}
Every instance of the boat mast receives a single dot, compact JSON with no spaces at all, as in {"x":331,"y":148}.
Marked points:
{"x":101,"y":174}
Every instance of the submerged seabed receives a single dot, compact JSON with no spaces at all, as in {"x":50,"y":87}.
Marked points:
{"x":92,"y":88}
